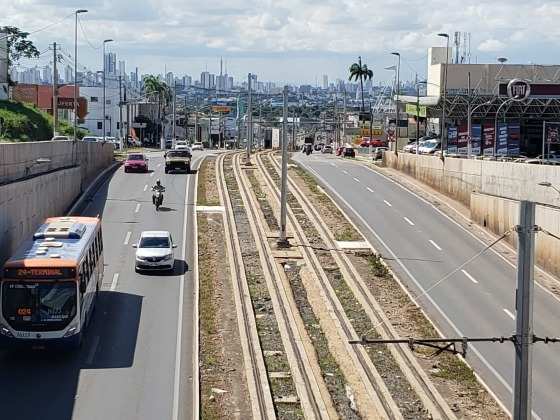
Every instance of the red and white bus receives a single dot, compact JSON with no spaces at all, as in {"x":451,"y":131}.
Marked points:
{"x":49,"y":286}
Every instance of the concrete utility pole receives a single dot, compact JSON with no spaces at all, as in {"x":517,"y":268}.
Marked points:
{"x":524,"y":308}
{"x":443,"y":126}
{"x":249,"y":119}
{"x":294,"y":145}
{"x":174,"y":107}
{"x":125,"y":140}
{"x":55,"y":92}
{"x":283,"y":240}
{"x":120,"y":108}
{"x":397,"y":116}
{"x":104,"y":87}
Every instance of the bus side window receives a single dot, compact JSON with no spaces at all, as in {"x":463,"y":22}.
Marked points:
{"x":96,"y":249}
{"x":100,"y":236}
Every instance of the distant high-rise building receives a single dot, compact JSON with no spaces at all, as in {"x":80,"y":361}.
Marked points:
{"x":325,"y":82}
{"x":68,"y":74}
{"x":229,"y":83}
{"x":212,"y":81}
{"x":205,"y":80}
{"x":47,"y":75}
{"x":122,"y":68}
{"x":110,"y":64}
{"x":187,"y":81}
{"x":169,"y":78}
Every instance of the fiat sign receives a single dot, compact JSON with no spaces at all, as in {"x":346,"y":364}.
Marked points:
{"x":518,"y":89}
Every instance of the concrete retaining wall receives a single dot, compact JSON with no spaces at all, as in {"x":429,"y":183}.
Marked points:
{"x":17,"y":159}
{"x":499,"y":214}
{"x":457,"y":178}
{"x":24,"y":205}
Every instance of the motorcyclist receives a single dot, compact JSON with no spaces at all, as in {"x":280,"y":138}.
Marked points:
{"x":157,"y":187}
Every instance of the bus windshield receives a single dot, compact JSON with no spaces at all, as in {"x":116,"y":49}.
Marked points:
{"x":39,"y":306}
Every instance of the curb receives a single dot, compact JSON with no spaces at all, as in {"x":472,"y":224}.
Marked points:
{"x":91,"y":187}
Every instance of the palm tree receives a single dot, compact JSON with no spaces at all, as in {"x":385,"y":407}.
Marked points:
{"x":360,"y":71}
{"x":156,"y":89}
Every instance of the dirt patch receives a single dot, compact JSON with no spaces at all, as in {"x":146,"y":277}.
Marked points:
{"x":207,"y":185}
{"x":221,"y":357}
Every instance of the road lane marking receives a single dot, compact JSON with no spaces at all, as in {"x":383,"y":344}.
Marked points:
{"x":407,"y":220}
{"x":471,"y":278}
{"x":345,"y":172}
{"x":356,"y":179}
{"x":333,"y":164}
{"x":127,"y":238}
{"x":92,"y":350}
{"x":145,"y":187}
{"x":158,"y":165}
{"x":508,"y":313}
{"x":114,"y":282}
{"x":386,"y":202}
{"x":137,"y":209}
{"x":369,"y":189}
{"x":436,"y":246}
{"x":152,"y":174}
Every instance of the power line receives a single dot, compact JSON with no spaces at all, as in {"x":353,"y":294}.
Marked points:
{"x":85,"y":36}
{"x":44,"y":27}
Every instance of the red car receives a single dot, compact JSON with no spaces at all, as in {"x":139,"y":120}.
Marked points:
{"x":136,"y":162}
{"x":378,"y":143}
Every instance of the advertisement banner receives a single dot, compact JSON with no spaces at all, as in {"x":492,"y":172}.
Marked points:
{"x":452,"y":140}
{"x":514,"y":138}
{"x":411,"y":110}
{"x":463,"y":140}
{"x":502,"y":140}
{"x":488,"y":140}
{"x":476,"y":140}
{"x":552,"y":134}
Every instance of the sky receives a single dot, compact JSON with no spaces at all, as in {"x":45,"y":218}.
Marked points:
{"x":289,"y":41}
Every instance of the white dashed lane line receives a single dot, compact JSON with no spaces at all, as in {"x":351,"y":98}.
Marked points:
{"x":471,"y":278}
{"x":127,"y":238}
{"x":407,"y":220}
{"x":436,"y":246}
{"x":369,"y":189}
{"x":386,"y":202}
{"x":356,"y":179}
{"x":145,"y":187}
{"x":152,"y":174}
{"x":137,"y":209}
{"x":345,"y":172}
{"x":114,"y":282}
{"x":508,"y":313}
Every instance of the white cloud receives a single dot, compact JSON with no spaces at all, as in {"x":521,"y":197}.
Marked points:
{"x":491,"y":45}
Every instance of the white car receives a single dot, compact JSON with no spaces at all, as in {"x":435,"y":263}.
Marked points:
{"x":154,"y":251}
{"x":91,"y":139}
{"x":181,"y":145}
{"x":60,"y":138}
{"x":197,"y":146}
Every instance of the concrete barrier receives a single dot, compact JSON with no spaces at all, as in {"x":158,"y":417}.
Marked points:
{"x":25,"y":205}
{"x":17,"y":160}
{"x":457,"y":177}
{"x":499,"y":214}
{"x":45,"y":190}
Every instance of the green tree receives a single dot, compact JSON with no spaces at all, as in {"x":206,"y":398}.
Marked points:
{"x":18,"y":45}
{"x":157,"y":90}
{"x":359,"y":71}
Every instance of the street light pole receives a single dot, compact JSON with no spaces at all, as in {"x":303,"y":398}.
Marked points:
{"x":443,"y":126}
{"x":397,"y":100}
{"x":76,"y":13}
{"x":249,"y":119}
{"x":104,"y":87}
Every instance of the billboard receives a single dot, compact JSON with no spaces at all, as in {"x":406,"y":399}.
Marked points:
{"x":552,"y":133}
{"x":502,"y":140}
{"x":476,"y":140}
{"x":488,"y":140}
{"x":411,"y":110}
{"x":514,"y":137}
{"x":463,"y":140}
{"x":452,"y":140}
{"x":220,"y":109}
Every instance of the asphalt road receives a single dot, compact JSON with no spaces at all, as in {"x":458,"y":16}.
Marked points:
{"x":423,"y":247}
{"x":132,"y":364}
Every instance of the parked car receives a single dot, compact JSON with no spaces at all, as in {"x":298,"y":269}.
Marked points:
{"x":136,"y":162}
{"x":348,"y":152}
{"x":197,"y":146}
{"x":318,"y":146}
{"x":339,"y":150}
{"x":377,"y":153}
{"x":133,"y":142}
{"x":327,"y":148}
{"x":154,"y":251}
{"x":178,"y":160}
{"x":61,"y":138}
{"x":90,"y":139}
{"x":365,"y":142}
{"x":430,"y":147}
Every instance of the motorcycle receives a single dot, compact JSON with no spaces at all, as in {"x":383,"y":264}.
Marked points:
{"x":308,"y":150}
{"x":157,"y":198}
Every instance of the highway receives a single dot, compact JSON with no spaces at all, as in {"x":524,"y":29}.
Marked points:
{"x":423,"y":246}
{"x":137,"y":359}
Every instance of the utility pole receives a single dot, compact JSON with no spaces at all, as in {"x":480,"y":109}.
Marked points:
{"x":120,"y":108}
{"x":55,"y":92}
{"x":417,"y":110}
{"x":524,"y":308}
{"x":283,"y":240}
{"x":294,"y":131}
{"x":469,"y":121}
{"x":249,"y":119}
{"x":125,"y":140}
{"x":343,"y":120}
{"x":174,"y":107}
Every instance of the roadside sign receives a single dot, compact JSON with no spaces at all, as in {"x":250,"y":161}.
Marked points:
{"x":411,"y":110}
{"x":221,"y":109}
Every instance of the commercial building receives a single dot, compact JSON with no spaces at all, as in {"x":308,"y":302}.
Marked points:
{"x":503,"y":122}
{"x":93,"y":121}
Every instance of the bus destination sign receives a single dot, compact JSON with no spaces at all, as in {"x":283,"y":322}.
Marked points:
{"x":37,"y":273}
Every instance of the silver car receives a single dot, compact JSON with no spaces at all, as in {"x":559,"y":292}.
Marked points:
{"x":154,"y":251}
